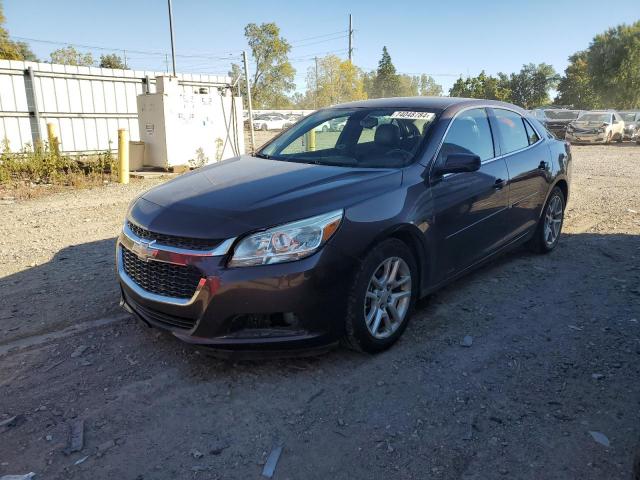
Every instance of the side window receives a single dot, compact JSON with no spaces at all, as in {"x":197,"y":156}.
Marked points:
{"x":469,"y":133}
{"x":531,"y":133}
{"x":512,"y":131}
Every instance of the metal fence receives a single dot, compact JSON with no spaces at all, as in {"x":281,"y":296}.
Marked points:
{"x":87,"y":105}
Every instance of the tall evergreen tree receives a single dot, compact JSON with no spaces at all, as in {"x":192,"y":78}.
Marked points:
{"x":387,"y":82}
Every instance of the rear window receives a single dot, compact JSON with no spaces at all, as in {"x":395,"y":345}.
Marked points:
{"x":531,"y":133}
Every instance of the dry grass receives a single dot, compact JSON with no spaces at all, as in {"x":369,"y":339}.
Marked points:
{"x":33,"y":172}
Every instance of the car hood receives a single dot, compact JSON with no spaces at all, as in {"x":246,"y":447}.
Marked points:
{"x":235,"y":196}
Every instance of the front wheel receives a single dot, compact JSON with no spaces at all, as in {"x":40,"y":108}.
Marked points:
{"x":620,"y":138}
{"x":549,"y":226}
{"x":381,"y":298}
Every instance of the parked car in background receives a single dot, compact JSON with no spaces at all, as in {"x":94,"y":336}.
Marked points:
{"x":271,"y":121}
{"x":631,"y":125}
{"x":298,"y":247}
{"x":596,"y":127}
{"x":333,"y":125}
{"x":556,"y":119}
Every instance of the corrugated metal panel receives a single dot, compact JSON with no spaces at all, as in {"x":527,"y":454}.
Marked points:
{"x":86,"y":104}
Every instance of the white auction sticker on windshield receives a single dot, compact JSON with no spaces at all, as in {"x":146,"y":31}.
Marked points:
{"x":413,"y":115}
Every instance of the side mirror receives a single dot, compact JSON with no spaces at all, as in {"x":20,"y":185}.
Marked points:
{"x":460,"y":163}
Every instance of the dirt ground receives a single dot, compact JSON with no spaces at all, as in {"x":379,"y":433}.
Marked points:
{"x":549,"y":388}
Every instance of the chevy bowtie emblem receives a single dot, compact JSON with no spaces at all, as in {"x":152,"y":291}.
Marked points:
{"x":144,"y":249}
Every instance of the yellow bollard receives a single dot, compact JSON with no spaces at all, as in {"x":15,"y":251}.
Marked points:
{"x":123,"y":156}
{"x":54,"y":142}
{"x":311,"y":140}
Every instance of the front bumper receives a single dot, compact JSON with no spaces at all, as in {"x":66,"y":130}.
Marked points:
{"x":586,"y":137}
{"x":279,"y":307}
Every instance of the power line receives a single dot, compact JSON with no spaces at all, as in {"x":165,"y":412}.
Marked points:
{"x":319,"y":41}
{"x":311,"y":56}
{"x":317,"y":36}
{"x":129,"y":50}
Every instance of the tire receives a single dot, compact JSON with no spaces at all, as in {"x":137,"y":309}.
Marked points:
{"x":608,"y":139}
{"x":399,"y":299}
{"x":620,"y":138}
{"x":540,"y":243}
{"x":264,"y":127}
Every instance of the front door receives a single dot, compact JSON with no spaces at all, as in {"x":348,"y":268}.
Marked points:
{"x":470,"y":208}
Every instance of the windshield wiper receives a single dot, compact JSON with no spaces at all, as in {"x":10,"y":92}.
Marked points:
{"x":262,"y":155}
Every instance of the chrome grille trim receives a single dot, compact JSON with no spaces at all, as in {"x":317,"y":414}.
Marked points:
{"x":222,"y":249}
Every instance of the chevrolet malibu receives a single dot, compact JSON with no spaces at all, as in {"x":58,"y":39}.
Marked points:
{"x":326,"y":236}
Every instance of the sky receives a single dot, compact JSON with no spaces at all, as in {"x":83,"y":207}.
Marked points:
{"x":443,"y":39}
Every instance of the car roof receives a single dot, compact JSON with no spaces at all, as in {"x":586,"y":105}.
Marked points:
{"x":438,"y":103}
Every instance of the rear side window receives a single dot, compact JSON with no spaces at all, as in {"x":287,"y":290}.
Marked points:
{"x":469,"y":133}
{"x":531,"y":133}
{"x":512,"y":131}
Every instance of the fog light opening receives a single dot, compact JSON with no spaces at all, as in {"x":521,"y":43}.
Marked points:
{"x":279,"y":321}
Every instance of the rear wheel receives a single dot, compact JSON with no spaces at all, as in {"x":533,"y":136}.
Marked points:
{"x":264,"y":127}
{"x":549,"y":226}
{"x":382,"y":296}
{"x":620,"y":138}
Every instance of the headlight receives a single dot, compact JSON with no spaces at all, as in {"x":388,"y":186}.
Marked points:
{"x":288,"y":242}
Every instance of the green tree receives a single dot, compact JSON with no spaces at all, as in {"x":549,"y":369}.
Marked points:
{"x":428,"y":86}
{"x":10,"y":50}
{"x":530,"y":86}
{"x":483,"y":86}
{"x":273,"y":76}
{"x":613,"y":61}
{"x":112,"y":60}
{"x":237,"y":75}
{"x":71,"y":56}
{"x":387,"y":82}
{"x":338,"y":81}
{"x":574,"y":88}
{"x":24,"y":50}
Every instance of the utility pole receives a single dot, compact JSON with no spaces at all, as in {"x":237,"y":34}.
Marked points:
{"x":173,"y":48}
{"x":315,"y":102}
{"x":124,"y":54}
{"x":166,"y":63}
{"x":350,"y":39}
{"x":246,"y":78}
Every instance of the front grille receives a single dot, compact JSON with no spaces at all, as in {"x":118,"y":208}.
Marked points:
{"x":173,"y":241}
{"x":154,"y":316}
{"x":177,"y":281}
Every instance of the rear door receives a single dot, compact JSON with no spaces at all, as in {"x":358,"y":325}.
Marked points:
{"x":470,"y":208}
{"x":527,"y":159}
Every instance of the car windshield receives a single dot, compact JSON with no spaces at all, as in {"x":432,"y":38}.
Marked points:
{"x":630,"y":116}
{"x":595,"y":117}
{"x":561,"y":114}
{"x":356,"y":137}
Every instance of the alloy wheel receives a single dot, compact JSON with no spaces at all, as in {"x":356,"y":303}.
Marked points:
{"x":388,"y":297}
{"x":553,"y":220}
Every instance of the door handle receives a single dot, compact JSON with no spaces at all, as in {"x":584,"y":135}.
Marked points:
{"x":498,"y":184}
{"x":543,"y":165}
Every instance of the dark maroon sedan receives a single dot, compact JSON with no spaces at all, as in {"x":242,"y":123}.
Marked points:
{"x":324,"y":236}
